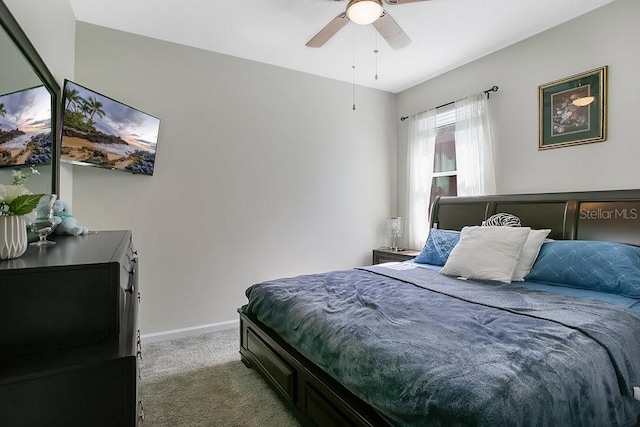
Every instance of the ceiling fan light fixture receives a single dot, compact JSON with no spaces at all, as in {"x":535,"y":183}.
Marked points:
{"x":584,"y":101}
{"x":364,"y":12}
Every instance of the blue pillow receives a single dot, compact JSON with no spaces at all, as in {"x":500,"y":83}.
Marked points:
{"x":597,"y":266}
{"x":439,"y":245}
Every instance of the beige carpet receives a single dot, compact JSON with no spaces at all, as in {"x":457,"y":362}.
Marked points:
{"x":200,"y":381}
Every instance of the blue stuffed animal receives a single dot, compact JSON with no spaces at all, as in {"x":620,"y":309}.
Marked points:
{"x":68,"y":224}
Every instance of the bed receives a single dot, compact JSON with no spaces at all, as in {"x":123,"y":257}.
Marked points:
{"x":403,"y":344}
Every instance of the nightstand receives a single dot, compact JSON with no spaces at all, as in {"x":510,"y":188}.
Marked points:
{"x":387,"y":255}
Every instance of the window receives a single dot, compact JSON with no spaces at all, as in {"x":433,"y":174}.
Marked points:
{"x":449,"y":153}
{"x":444,"y":181}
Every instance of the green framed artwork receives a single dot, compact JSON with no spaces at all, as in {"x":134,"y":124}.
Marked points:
{"x":573,"y":110}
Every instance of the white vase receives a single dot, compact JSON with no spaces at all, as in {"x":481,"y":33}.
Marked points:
{"x":13,"y":236}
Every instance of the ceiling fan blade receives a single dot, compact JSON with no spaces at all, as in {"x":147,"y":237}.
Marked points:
{"x":402,"y":1}
{"x":391,"y":31}
{"x":329,"y":30}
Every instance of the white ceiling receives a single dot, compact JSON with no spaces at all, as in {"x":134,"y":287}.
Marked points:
{"x":445,"y":34}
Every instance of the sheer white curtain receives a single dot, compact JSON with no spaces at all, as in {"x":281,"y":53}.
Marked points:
{"x":474,"y":147}
{"x":420,"y":153}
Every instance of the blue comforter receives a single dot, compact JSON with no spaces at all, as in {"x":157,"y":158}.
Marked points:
{"x":426,"y":349}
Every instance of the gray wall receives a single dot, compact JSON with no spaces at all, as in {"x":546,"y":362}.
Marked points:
{"x":606,"y":36}
{"x":261,"y":172}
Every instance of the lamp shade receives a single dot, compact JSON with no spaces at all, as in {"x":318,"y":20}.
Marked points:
{"x":394,"y":226}
{"x":364,"y":12}
{"x":394,"y":229}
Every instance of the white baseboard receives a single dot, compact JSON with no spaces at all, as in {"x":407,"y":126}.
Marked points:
{"x":185,"y":332}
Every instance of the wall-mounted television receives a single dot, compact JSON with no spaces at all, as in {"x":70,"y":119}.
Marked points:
{"x":25,"y":127}
{"x":102,"y":132}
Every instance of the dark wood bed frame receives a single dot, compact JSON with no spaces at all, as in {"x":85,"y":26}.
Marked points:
{"x":317,"y":399}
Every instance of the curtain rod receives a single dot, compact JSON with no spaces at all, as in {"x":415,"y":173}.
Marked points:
{"x":486,"y":92}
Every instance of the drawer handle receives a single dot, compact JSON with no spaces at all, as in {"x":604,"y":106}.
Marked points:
{"x":139,"y":353}
{"x":132,"y":282}
{"x":138,"y":303}
{"x":141,"y":410}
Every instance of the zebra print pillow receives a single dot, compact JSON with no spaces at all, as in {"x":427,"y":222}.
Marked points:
{"x":502,"y":219}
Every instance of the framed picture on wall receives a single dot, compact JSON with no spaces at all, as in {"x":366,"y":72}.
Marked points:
{"x":573,"y":110}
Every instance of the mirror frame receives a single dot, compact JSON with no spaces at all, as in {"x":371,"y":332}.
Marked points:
{"x":22,"y":42}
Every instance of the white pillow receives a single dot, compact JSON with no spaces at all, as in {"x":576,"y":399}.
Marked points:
{"x":530,"y":251}
{"x":486,"y":253}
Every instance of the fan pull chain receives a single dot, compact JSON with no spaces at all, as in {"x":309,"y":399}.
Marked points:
{"x":376,"y":52}
{"x":354,"y":87}
{"x":353,"y":64}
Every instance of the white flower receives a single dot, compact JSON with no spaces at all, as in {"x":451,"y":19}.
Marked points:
{"x":16,"y":199}
{"x":19,"y":178}
{"x":9,"y":192}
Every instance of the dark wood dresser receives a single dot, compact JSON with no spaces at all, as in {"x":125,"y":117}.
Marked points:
{"x":69,"y":340}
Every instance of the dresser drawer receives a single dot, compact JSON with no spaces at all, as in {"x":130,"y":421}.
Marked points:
{"x":56,"y":309}
{"x":102,"y":395}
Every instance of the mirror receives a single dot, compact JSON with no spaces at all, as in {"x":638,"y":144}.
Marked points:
{"x":29,"y":97}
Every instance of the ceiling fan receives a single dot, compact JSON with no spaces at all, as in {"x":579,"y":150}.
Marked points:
{"x":365,"y":12}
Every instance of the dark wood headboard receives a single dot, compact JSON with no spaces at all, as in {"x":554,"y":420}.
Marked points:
{"x":591,"y":215}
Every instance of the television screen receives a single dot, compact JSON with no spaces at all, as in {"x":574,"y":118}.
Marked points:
{"x":25,"y":127}
{"x":99,"y":131}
